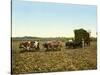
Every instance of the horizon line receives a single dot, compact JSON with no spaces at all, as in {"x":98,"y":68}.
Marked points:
{"x":47,"y":37}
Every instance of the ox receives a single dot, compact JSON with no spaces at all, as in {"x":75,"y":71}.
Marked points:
{"x":53,"y":45}
{"x":73,"y":44}
{"x":28,"y":45}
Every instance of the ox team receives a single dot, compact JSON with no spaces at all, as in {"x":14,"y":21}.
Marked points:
{"x":49,"y":45}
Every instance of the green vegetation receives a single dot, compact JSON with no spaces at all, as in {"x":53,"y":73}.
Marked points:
{"x":51,"y":61}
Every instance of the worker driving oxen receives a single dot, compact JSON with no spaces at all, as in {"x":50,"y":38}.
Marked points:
{"x":29,"y":45}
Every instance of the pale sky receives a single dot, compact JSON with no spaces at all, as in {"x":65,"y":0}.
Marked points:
{"x":42,"y":19}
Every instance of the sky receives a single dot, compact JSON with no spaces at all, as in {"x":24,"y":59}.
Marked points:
{"x":44,"y":19}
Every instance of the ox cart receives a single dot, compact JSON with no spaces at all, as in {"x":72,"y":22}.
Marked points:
{"x":81,"y":39}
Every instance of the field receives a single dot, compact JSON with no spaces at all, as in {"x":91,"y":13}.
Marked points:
{"x":53,"y":61}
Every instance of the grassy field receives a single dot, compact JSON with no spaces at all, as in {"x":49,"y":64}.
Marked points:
{"x":51,"y":61}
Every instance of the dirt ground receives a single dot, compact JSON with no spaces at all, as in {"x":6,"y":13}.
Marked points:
{"x":53,"y":61}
